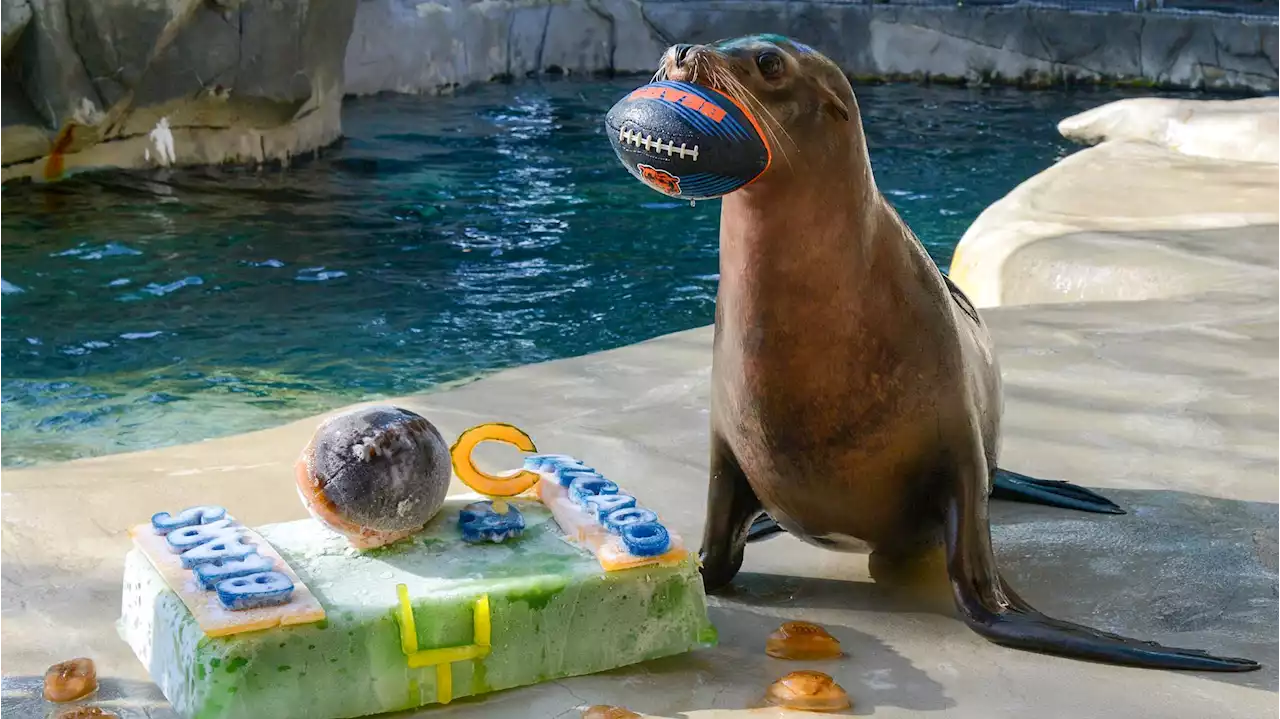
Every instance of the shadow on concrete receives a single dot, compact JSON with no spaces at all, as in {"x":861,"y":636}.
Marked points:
{"x":1182,"y":569}
{"x":54,"y":608}
{"x":739,"y":671}
{"x":892,"y":680}
{"x":22,"y":697}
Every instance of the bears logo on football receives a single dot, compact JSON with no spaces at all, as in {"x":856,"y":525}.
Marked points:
{"x":661,"y":179}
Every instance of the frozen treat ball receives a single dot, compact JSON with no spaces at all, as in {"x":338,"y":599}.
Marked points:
{"x":375,"y":475}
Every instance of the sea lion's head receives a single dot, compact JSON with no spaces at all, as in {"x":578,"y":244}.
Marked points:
{"x":802,"y":101}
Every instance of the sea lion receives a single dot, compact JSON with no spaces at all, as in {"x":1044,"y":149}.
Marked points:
{"x":856,"y":396}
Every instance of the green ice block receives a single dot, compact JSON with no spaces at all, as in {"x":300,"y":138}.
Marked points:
{"x":555,"y":613}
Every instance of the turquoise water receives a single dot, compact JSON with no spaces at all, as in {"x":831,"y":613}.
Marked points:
{"x":444,"y":237}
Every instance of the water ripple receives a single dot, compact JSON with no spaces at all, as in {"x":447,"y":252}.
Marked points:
{"x":162,"y":290}
{"x":86,"y":251}
{"x":443,"y":237}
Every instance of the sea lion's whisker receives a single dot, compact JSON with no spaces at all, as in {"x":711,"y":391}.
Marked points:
{"x":699,"y":66}
{"x":734,"y":89}
{"x":742,"y":94}
{"x":752,"y":99}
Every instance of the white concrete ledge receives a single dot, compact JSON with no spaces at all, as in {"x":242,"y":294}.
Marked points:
{"x":1151,"y":212}
{"x":1244,"y":130}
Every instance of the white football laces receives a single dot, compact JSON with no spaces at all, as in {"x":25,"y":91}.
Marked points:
{"x":658,"y":145}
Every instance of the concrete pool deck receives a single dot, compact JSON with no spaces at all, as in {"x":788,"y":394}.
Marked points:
{"x":1165,"y":401}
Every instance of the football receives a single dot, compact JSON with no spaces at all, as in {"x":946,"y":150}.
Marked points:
{"x":687,"y":141}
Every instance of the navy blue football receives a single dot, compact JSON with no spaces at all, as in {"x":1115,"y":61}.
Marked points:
{"x":686,"y":140}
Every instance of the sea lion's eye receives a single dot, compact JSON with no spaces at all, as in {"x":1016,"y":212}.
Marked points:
{"x":770,"y":64}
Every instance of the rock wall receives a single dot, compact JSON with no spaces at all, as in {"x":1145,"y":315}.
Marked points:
{"x":414,"y":46}
{"x":410,"y":47}
{"x":143,"y":83}
{"x":137,"y":83}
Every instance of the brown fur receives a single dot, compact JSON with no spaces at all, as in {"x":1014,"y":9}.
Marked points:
{"x":855,"y":393}
{"x":840,"y":362}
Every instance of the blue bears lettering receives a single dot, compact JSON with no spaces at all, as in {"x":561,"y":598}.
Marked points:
{"x":552,"y":462}
{"x":210,"y":573}
{"x":211,"y":544}
{"x":230,"y":547}
{"x":181,"y":540}
{"x":638,"y":528}
{"x":583,"y":487}
{"x":646,"y":539}
{"x":603,"y":504}
{"x":263,"y":589}
{"x":163,"y":522}
{"x":615,"y":521}
{"x":566,"y":475}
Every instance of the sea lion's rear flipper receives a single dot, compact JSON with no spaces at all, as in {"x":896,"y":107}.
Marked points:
{"x":763,"y":527}
{"x":991,"y":608}
{"x":1055,"y":493}
{"x":731,"y":508}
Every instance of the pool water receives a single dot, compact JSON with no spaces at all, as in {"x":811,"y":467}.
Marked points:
{"x":442,"y":239}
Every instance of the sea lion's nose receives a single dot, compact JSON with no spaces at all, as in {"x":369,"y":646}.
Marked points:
{"x":680,"y":52}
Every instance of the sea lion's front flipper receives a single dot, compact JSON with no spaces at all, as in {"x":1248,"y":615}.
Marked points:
{"x":991,"y":608}
{"x":731,"y":508}
{"x":1055,"y":493}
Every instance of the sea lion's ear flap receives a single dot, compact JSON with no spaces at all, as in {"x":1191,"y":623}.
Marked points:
{"x":837,"y":108}
{"x":833,"y":103}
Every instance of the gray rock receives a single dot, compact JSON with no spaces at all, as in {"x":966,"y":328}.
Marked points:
{"x":116,"y":49}
{"x":707,"y":21}
{"x":276,"y":66}
{"x":402,"y":46}
{"x":16,"y":15}
{"x":526,"y":38}
{"x":259,"y":81}
{"x":844,"y":37}
{"x":1163,"y":56}
{"x":635,"y":42}
{"x":1244,"y":54}
{"x":24,"y":134}
{"x":228,"y":80}
{"x":408,"y":46}
{"x":49,"y":69}
{"x":576,"y":39}
{"x":21,"y":134}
